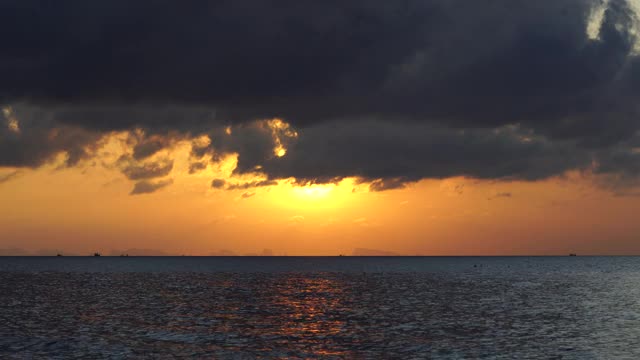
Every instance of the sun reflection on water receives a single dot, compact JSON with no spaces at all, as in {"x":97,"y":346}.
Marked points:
{"x":310,"y":303}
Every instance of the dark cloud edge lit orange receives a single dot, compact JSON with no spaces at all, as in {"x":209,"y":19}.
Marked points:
{"x":385,"y":92}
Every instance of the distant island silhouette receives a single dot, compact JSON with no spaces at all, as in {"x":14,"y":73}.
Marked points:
{"x":372,"y":252}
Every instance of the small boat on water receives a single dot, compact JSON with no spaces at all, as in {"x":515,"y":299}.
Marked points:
{"x":96,"y":254}
{"x":572,"y":254}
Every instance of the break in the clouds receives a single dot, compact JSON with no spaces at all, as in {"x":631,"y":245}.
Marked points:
{"x":388,"y":91}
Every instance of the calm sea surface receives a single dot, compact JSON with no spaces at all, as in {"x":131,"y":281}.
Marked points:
{"x":340,"y":307}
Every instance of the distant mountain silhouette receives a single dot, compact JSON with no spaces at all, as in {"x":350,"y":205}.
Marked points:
{"x":14,"y":252}
{"x":372,"y":252}
{"x":139,"y":252}
{"x":223,"y":253}
{"x":50,"y":252}
{"x":265,"y":252}
{"x":40,"y":252}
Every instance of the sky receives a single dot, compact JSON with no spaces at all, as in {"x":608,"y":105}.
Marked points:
{"x":414,"y":127}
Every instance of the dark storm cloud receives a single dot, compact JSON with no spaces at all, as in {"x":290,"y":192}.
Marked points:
{"x":147,"y":187}
{"x":387,"y":184}
{"x":218,"y":183}
{"x":196,"y":167}
{"x":391,"y":91}
{"x":153,"y":118}
{"x":251,"y":184}
{"x":254,"y":142}
{"x":148,"y":148}
{"x":221,"y":183}
{"x":148,"y":170}
{"x":225,"y":52}
{"x":619,"y":167}
{"x":622,"y":158}
{"x":480,"y":63}
{"x":36,"y":139}
{"x":400,"y":153}
{"x":248,"y":195}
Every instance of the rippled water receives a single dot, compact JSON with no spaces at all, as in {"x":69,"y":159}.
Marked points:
{"x":573,"y":308}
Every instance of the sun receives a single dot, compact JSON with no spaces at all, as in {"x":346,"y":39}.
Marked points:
{"x":313,"y":192}
{"x":314,"y":197}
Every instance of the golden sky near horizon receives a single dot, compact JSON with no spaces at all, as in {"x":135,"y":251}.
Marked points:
{"x":88,"y":208}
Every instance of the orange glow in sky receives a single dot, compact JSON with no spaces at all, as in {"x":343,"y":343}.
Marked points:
{"x":88,"y":208}
{"x":272,"y":132}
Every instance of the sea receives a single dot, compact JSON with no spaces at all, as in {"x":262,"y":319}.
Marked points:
{"x":346,"y":307}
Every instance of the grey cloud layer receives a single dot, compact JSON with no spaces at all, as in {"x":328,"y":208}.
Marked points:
{"x":148,"y":170}
{"x":471,"y":63}
{"x":392,"y":91}
{"x":39,"y":138}
{"x":373,"y":149}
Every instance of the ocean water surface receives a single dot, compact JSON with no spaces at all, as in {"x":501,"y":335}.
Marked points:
{"x":320,"y":307}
